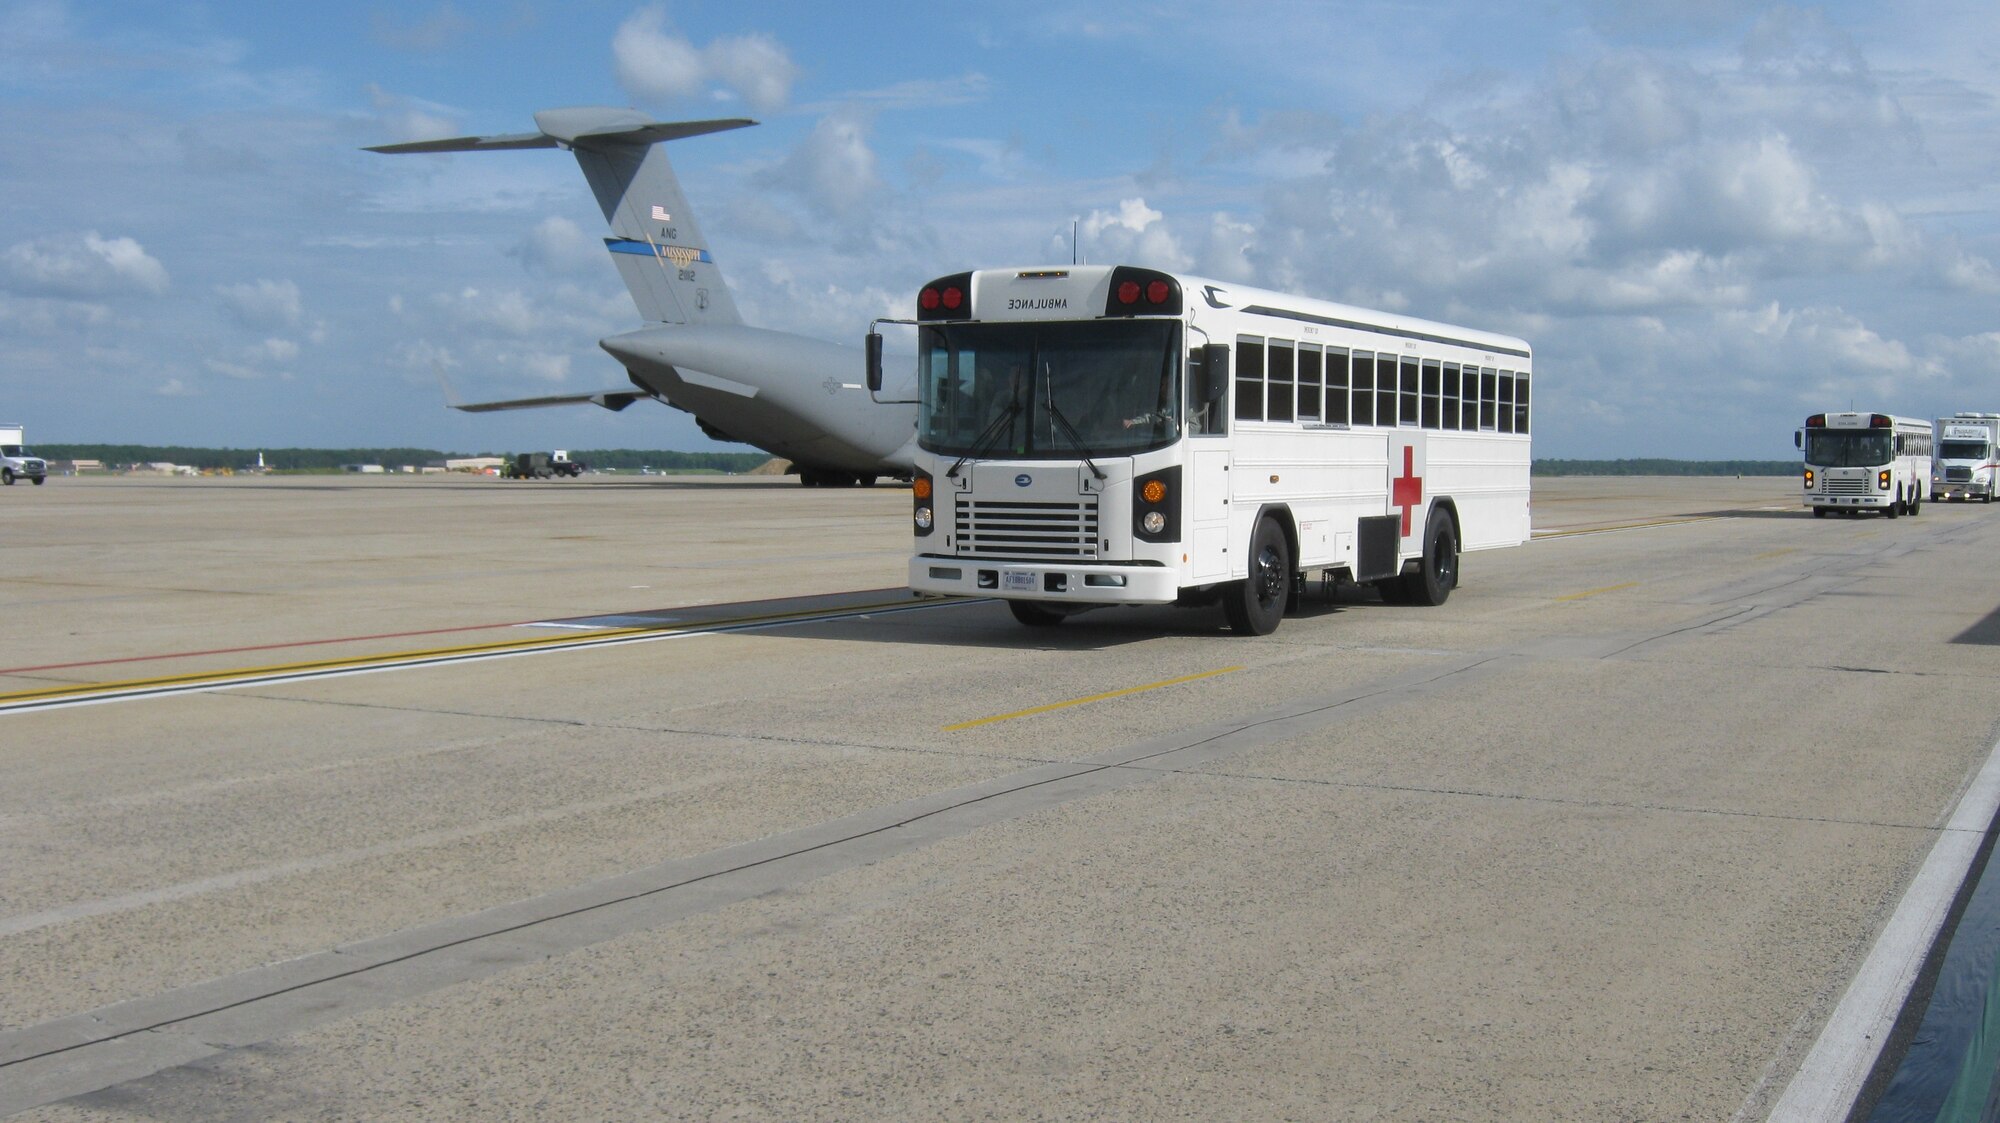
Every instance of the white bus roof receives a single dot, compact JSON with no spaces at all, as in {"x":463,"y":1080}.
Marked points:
{"x":1252,"y":300}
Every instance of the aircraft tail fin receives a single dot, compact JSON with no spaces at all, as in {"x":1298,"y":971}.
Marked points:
{"x":661,"y":254}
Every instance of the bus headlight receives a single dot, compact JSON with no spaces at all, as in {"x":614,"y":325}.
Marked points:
{"x":920,"y":502}
{"x":1156,"y":506}
{"x":1882,"y":479}
{"x":1809,"y":479}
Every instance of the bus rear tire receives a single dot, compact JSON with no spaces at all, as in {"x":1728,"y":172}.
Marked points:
{"x":1254,"y":605}
{"x":1034,"y":615}
{"x":1437,"y":571}
{"x":1819,"y":512}
{"x":1916,"y":506}
{"x":1894,"y":509}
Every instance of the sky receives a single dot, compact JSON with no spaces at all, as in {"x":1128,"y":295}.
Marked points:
{"x":1709,"y":218}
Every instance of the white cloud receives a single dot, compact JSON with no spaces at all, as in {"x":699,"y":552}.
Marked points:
{"x":558,"y":245}
{"x":47,"y":316}
{"x":264,"y":304}
{"x":401,"y":119}
{"x":653,"y":64}
{"x":1133,"y":233}
{"x":175,"y":388}
{"x":237,"y":371}
{"x":545,"y":367}
{"x":833,"y":170}
{"x":85,"y":265}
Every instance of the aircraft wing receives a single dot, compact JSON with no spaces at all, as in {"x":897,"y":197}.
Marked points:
{"x":613,"y":400}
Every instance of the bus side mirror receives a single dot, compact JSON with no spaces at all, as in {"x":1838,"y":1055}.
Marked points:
{"x":874,"y":362}
{"x":1798,"y":438}
{"x":1214,"y":371}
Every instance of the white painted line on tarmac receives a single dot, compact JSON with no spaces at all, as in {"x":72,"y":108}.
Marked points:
{"x":1830,"y":1078}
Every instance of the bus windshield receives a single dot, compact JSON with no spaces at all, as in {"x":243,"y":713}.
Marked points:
{"x":1962,"y":450}
{"x":1847,"y":448}
{"x":1050,"y":390}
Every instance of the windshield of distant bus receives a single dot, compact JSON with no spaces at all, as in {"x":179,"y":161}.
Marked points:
{"x":1050,"y":390}
{"x":1848,"y":448}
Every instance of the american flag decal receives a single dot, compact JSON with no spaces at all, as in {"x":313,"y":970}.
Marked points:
{"x":660,"y":214}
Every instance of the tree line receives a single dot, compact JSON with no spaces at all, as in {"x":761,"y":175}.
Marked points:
{"x":1665,"y":467}
{"x":331,"y":459}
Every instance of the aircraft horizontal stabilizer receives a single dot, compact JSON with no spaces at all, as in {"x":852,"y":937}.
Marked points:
{"x":576,"y":128}
{"x":471,"y":144}
{"x":613,"y":400}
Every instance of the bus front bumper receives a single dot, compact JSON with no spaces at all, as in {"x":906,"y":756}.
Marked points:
{"x":1872,"y":499}
{"x":1053,"y":582}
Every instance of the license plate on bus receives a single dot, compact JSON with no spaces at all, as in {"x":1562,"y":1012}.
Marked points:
{"x":1018,"y":582}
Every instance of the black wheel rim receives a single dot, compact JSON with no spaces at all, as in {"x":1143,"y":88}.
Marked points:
{"x":1270,"y":575}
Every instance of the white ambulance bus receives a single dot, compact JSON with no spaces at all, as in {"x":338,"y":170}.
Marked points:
{"x":1857,"y":462}
{"x":1965,"y":456}
{"x":1100,"y":435}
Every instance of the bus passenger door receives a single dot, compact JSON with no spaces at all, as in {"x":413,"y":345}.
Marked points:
{"x":1210,"y":518}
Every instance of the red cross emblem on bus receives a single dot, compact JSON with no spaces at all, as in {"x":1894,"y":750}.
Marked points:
{"x":1407,"y":490}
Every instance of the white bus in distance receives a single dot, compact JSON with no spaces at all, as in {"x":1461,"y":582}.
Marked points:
{"x":1857,"y":462}
{"x":1100,"y":435}
{"x":1965,"y":449}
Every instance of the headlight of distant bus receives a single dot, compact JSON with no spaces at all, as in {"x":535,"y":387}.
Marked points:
{"x":1809,"y":479}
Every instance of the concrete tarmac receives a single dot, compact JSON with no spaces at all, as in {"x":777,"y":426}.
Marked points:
{"x":1607,"y":835}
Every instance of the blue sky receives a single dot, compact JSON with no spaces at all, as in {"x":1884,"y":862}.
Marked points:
{"x":1709,"y":218}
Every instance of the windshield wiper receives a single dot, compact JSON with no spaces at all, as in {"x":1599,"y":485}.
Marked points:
{"x":1069,"y":431}
{"x":986,"y":435}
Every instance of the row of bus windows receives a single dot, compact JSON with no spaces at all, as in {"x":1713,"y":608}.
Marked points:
{"x":1279,"y":380}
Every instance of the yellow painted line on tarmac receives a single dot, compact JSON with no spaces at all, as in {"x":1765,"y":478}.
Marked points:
{"x":1594,"y":592}
{"x":1539,"y":535}
{"x":1086,"y":701}
{"x":83,"y":692}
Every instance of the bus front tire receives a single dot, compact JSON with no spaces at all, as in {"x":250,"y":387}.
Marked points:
{"x":1819,"y":512}
{"x":1437,"y":571}
{"x":1254,"y":605}
{"x":1034,"y":615}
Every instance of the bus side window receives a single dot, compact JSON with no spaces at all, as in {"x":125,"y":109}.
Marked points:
{"x":1278,"y":381}
{"x":1489,"y":390}
{"x":1249,"y":379}
{"x":1336,"y":386}
{"x":1411,"y":414}
{"x":1385,"y":390}
{"x":1450,"y":396}
{"x":1506,"y":401}
{"x":1521,"y":402}
{"x":1433,"y":386}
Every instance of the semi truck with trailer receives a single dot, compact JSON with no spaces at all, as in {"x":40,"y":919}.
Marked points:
{"x":15,"y":463}
{"x":1966,"y":460}
{"x":543,"y":466}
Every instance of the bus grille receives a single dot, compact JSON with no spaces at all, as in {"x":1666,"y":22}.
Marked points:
{"x":1847,"y":487}
{"x":1027,"y":530}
